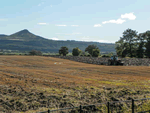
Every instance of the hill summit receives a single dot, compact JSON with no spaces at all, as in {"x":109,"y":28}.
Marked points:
{"x":23,"y":35}
{"x":23,"y":31}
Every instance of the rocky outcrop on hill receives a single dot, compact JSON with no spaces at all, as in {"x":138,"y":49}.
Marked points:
{"x":103,"y":61}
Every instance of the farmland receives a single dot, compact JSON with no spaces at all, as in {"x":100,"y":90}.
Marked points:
{"x":35,"y":83}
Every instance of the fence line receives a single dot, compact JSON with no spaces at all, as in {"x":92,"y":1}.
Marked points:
{"x":107,"y":104}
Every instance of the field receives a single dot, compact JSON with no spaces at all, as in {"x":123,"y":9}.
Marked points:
{"x":35,"y":83}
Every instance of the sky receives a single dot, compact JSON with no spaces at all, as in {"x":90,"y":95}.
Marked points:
{"x":80,"y":20}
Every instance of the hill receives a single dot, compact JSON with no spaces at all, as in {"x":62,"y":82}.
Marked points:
{"x":1,"y":35}
{"x":27,"y":41}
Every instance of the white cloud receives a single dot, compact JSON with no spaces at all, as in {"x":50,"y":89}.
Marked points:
{"x":54,"y":38}
{"x":51,"y":5}
{"x":102,"y":41}
{"x":97,"y":25}
{"x":40,"y":4}
{"x":88,"y":39}
{"x":118,"y":21}
{"x":129,"y":16}
{"x":105,"y":41}
{"x":121,"y":20}
{"x":61,"y":25}
{"x":42,"y":23}
{"x":74,"y":25}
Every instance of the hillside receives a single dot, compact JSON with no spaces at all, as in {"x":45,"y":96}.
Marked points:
{"x":26,"y":41}
{"x":1,"y":35}
{"x":38,"y":83}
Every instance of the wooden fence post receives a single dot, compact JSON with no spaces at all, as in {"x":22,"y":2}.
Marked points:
{"x":80,"y":109}
{"x":108,"y":107}
{"x":48,"y":111}
{"x":132,"y":105}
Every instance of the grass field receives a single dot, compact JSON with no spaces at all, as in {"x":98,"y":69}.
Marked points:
{"x":35,"y":83}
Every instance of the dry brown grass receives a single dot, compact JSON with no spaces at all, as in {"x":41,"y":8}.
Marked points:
{"x":77,"y":81}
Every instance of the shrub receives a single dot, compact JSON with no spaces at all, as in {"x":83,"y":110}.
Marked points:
{"x":96,"y":52}
{"x":76,"y":51}
{"x":88,"y":55}
{"x":34,"y":52}
{"x":105,"y":56}
{"x":90,"y":48}
{"x":63,"y":50}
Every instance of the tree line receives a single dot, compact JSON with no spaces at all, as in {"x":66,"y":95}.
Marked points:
{"x":93,"y":51}
{"x":132,"y":44}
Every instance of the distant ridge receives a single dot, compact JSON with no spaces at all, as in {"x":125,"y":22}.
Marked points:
{"x":2,"y":35}
{"x":24,"y":40}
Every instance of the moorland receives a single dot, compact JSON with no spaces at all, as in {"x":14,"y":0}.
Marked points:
{"x":36,"y":83}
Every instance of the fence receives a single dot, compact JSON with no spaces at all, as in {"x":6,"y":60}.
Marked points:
{"x":108,"y":107}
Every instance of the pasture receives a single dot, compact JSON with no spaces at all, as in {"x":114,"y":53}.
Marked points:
{"x":36,"y":83}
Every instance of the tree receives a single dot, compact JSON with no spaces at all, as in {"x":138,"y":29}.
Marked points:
{"x":96,"y":52}
{"x":76,"y":51}
{"x":34,"y":52}
{"x":127,"y":44}
{"x":147,"y":45}
{"x":90,"y":48}
{"x":119,"y":46}
{"x":147,"y":52}
{"x":130,"y":36}
{"x":63,"y":50}
{"x":140,"y":50}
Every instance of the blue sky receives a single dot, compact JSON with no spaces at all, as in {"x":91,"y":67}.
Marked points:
{"x":83,"y":20}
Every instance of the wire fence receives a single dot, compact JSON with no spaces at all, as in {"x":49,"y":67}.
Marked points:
{"x":128,"y":106}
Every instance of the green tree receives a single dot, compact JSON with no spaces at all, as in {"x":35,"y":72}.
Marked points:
{"x":90,"y":48}
{"x":147,"y":52}
{"x":96,"y":52}
{"x":140,"y":50}
{"x":147,"y":45}
{"x":127,"y":44}
{"x":76,"y":51}
{"x":129,"y":37}
{"x":63,"y":50}
{"x":119,"y":46}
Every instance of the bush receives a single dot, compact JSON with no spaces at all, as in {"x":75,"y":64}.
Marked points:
{"x":76,"y":51}
{"x":34,"y":52}
{"x":105,"y":56}
{"x":89,"y":55}
{"x":90,"y":48}
{"x":96,"y":52}
{"x":63,"y":50}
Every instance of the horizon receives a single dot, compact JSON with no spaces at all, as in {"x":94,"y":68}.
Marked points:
{"x":89,"y":21}
{"x":52,"y":39}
